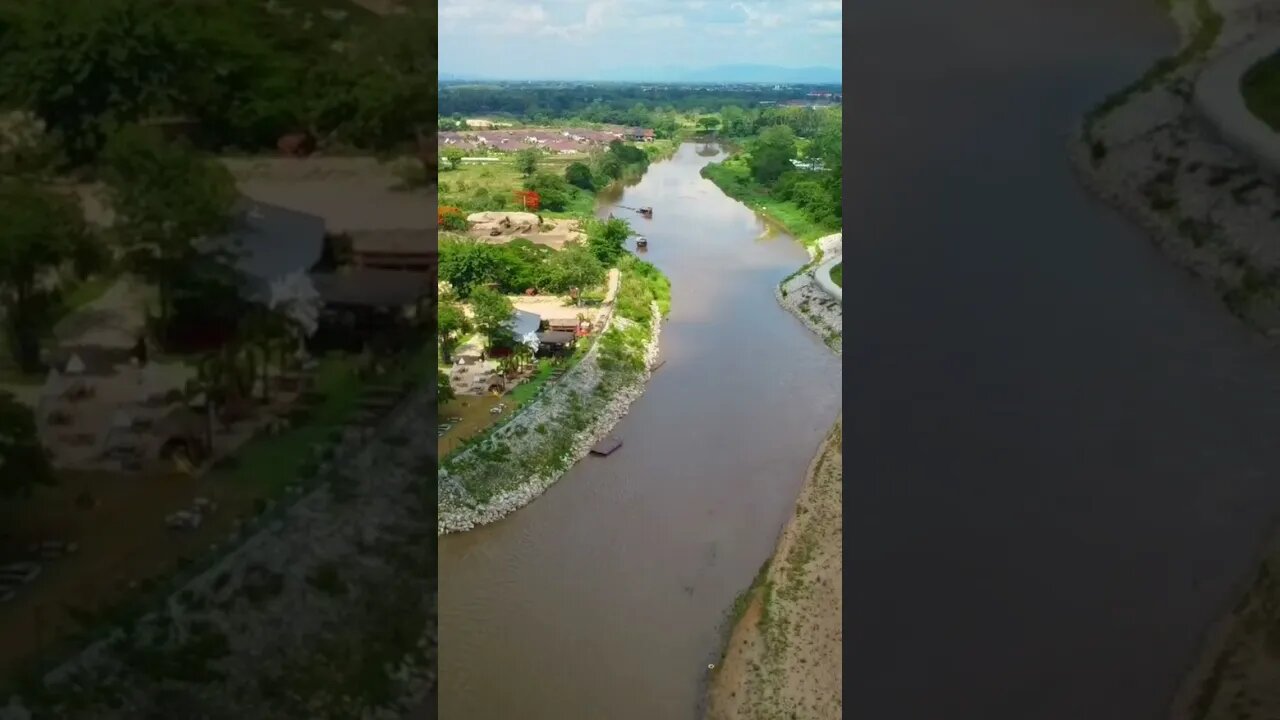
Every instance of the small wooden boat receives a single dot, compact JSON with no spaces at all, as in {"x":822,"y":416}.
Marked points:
{"x":606,"y":446}
{"x":646,"y":212}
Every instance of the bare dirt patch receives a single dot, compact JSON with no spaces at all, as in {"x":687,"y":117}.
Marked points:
{"x":350,"y":193}
{"x":474,"y":417}
{"x":498,"y":228}
{"x":784,"y":655}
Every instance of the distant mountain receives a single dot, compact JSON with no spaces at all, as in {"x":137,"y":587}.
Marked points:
{"x":762,"y":74}
{"x":737,"y":74}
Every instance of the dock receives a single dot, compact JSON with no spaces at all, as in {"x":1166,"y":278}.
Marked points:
{"x":606,"y":446}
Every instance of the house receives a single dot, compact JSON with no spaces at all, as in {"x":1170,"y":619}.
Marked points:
{"x":395,"y":291}
{"x":369,"y":307}
{"x":406,"y":249}
{"x":270,"y":243}
{"x":641,"y":134}
{"x":524,"y":324}
{"x":555,"y":343}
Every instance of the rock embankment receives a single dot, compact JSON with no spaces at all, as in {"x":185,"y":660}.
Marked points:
{"x":516,"y":464}
{"x":809,"y":301}
{"x":328,"y":611}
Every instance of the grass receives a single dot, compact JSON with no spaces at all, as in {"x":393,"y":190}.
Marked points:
{"x":837,"y":274}
{"x":458,"y":439}
{"x":273,"y":462}
{"x":734,"y":178}
{"x":477,"y":187}
{"x":528,"y":390}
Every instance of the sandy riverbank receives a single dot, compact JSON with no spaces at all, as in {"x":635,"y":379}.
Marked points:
{"x":784,"y":657}
{"x":1215,"y":212}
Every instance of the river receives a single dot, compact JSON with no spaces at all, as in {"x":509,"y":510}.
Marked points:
{"x":604,"y":597}
{"x":1061,"y":450}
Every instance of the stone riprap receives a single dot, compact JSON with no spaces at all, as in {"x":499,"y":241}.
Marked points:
{"x":539,"y":429}
{"x":327,"y":612}
{"x":809,"y":301}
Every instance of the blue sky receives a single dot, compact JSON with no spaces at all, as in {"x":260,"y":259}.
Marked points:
{"x":590,"y":39}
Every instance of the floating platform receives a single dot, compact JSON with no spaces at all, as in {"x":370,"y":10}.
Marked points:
{"x":606,"y":446}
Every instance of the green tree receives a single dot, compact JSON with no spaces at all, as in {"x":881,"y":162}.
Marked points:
{"x":527,"y":161}
{"x":520,"y":265}
{"x":41,"y":232}
{"x":553,"y":191}
{"x":444,"y":390}
{"x":579,"y":175}
{"x":573,"y":267}
{"x":708,"y":123}
{"x":734,"y":121}
{"x":491,"y":313}
{"x":628,"y":154}
{"x":454,"y":157}
{"x":467,"y":263}
{"x":772,"y":153}
{"x":86,"y":67}
{"x":167,"y":197}
{"x":607,"y":239}
{"x":24,"y":462}
{"x":609,"y":167}
{"x":452,"y":325}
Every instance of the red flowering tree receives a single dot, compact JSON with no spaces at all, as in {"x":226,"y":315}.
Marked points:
{"x":449,"y":217}
{"x":528,"y":199}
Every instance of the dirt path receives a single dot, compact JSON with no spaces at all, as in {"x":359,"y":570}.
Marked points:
{"x":784,"y":656}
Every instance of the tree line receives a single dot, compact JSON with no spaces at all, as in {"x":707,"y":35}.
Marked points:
{"x":243,"y":71}
{"x":627,"y":104}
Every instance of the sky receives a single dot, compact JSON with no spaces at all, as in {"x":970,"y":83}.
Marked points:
{"x":597,"y":39}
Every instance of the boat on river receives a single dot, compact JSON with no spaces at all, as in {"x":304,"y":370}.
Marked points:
{"x":642,"y":241}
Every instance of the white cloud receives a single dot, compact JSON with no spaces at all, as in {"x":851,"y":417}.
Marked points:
{"x":667,"y":21}
{"x":758,"y":16}
{"x":827,"y":27}
{"x":825,"y":8}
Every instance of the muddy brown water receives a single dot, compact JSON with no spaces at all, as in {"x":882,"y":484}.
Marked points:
{"x":604,"y":597}
{"x":1061,"y":450}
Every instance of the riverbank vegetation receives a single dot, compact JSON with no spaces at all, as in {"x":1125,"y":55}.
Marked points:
{"x":792,"y":176}
{"x":564,"y":185}
{"x":507,"y":467}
